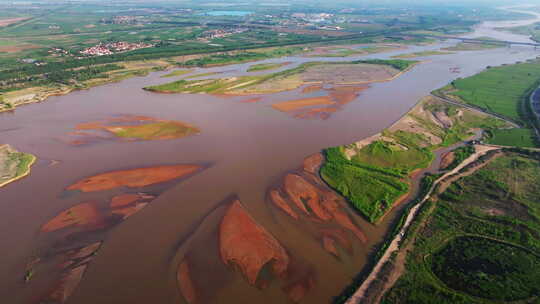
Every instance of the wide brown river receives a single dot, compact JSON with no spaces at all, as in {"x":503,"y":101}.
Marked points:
{"x":248,"y":147}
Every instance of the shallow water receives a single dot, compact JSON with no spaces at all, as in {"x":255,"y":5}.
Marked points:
{"x":250,"y":147}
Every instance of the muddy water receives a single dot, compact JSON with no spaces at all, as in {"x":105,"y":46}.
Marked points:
{"x":249,"y":147}
{"x":489,"y":28}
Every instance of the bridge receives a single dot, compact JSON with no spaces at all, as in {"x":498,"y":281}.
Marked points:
{"x":473,"y":40}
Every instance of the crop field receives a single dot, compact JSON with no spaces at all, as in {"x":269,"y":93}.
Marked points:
{"x":481,"y":243}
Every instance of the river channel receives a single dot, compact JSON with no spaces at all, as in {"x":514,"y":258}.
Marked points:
{"x":247,"y":148}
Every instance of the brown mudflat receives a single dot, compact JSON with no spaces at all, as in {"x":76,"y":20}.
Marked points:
{"x":133,"y":178}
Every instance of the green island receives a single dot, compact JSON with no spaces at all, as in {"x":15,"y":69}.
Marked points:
{"x":374,"y":173}
{"x":177,"y":73}
{"x":201,"y":75}
{"x":265,"y":67}
{"x":312,"y":72}
{"x":479,"y":241}
{"x":504,"y":91}
{"x":156,"y":130}
{"x":142,"y":128}
{"x":14,"y":165}
{"x":422,"y":54}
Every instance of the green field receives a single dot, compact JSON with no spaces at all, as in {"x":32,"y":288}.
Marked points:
{"x":518,"y":137}
{"x":481,"y":243}
{"x":370,"y":189}
{"x":502,"y":90}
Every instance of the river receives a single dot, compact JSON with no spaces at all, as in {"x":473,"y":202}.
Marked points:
{"x":249,"y":147}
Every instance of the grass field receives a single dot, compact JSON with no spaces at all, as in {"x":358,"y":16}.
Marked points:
{"x":481,"y":243}
{"x":499,"y":89}
{"x":371,"y":189}
{"x":502,"y":90}
{"x":518,"y":137}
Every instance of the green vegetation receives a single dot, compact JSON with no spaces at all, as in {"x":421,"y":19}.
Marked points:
{"x":399,"y":64}
{"x":481,"y":242}
{"x":370,"y":189}
{"x":23,"y":160}
{"x":422,"y":54}
{"x":504,"y":91}
{"x":177,"y":73}
{"x":488,"y":269}
{"x":201,"y":75}
{"x":400,"y":150}
{"x":13,"y":164}
{"x":518,"y":137}
{"x":224,"y":59}
{"x":157,"y":130}
{"x":210,"y":86}
{"x":461,"y":154}
{"x":264,"y":67}
{"x":468,"y":46}
{"x":224,"y":85}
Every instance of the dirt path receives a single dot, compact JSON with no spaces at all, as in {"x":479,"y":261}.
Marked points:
{"x":359,"y":295}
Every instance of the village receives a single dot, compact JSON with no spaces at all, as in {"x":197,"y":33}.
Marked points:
{"x":114,"y":47}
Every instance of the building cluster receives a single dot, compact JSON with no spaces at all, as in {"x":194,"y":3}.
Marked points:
{"x":121,"y":20}
{"x":56,"y":52}
{"x":114,"y":47}
{"x":312,"y":18}
{"x":221,"y":33}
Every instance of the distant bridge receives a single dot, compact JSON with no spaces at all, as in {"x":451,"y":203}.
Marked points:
{"x":473,"y":40}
